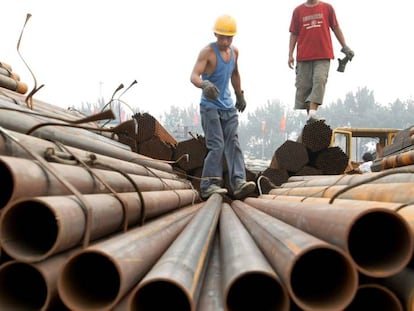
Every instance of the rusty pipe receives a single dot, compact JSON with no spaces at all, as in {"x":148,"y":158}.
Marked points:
{"x":31,"y":286}
{"x":376,"y":297}
{"x":397,"y":160}
{"x":317,"y":275}
{"x":327,"y":180}
{"x":339,"y":202}
{"x":40,"y":146}
{"x":359,"y":231}
{"x":388,"y":192}
{"x":97,"y":277}
{"x":33,"y":229}
{"x":249,"y":282}
{"x":406,"y":211}
{"x":83,"y":139}
{"x":25,"y":178}
{"x":178,"y":275}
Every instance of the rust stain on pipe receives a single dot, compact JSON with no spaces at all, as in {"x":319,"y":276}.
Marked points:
{"x":97,"y":277}
{"x":249,"y":282}
{"x":378,"y":240}
{"x":317,"y":275}
{"x":177,"y":276}
{"x":33,"y":229}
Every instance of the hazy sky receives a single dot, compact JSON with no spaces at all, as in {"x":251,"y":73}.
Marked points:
{"x":84,"y":49}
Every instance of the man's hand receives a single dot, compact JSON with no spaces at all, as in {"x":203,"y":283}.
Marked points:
{"x":210,"y":91}
{"x":348,"y":52}
{"x":240,"y":102}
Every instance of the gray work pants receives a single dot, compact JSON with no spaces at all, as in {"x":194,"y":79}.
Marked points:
{"x":220,"y":130}
{"x":311,"y":79}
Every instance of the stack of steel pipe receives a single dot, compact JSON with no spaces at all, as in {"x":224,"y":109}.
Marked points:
{"x":150,"y":244}
{"x":106,"y":269}
{"x":20,"y":119}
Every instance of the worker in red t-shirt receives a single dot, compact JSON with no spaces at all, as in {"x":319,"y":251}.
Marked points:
{"x":310,"y":34}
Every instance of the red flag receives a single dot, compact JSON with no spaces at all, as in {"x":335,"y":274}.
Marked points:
{"x":282,"y":125}
{"x":263,"y":127}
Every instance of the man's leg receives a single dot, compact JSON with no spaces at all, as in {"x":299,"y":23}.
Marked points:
{"x":213,"y":163}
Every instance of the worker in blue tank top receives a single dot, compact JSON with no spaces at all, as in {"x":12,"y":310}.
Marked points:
{"x":215,"y":68}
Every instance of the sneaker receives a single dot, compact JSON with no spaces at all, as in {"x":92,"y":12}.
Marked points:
{"x":206,"y":193}
{"x":313,"y":119}
{"x":243,"y":189}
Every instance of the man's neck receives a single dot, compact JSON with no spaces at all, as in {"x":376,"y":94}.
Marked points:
{"x":312,"y":2}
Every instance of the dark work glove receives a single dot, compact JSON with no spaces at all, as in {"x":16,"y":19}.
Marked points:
{"x":348,"y":52}
{"x":240,"y":102}
{"x":210,"y":91}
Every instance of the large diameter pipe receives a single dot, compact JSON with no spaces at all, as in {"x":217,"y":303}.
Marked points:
{"x":97,"y":277}
{"x":178,"y":275}
{"x":211,"y":296}
{"x":359,"y":231}
{"x":33,"y":229}
{"x":39,"y":146}
{"x":249,"y":281}
{"x":79,"y":138}
{"x":31,"y":286}
{"x":402,"y":284}
{"x":406,"y":211}
{"x":391,"y":192}
{"x":25,"y":178}
{"x":375,"y":297}
{"x":318,"y":275}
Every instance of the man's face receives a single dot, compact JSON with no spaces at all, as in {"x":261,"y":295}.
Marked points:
{"x":223,"y":42}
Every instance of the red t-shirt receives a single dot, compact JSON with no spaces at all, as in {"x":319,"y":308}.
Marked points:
{"x":312,"y":26}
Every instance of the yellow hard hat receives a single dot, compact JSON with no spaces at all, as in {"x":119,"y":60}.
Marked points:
{"x":225,"y":25}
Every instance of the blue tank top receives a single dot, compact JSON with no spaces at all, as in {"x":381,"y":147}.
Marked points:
{"x":221,"y":78}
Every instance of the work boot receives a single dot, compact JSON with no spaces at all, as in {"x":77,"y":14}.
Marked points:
{"x":243,"y":189}
{"x":313,"y":119}
{"x":213,"y":188}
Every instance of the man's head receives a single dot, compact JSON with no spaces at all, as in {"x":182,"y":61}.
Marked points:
{"x":225,"y":25}
{"x":224,"y":29}
{"x":367,"y":157}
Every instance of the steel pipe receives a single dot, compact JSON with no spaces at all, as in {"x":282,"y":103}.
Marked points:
{"x":33,"y":229}
{"x":328,"y":180}
{"x":374,"y":297}
{"x":249,"y":282}
{"x":25,"y":178}
{"x":31,"y":286}
{"x":390,"y":192}
{"x":178,"y":275}
{"x":40,"y":146}
{"x":21,"y":122}
{"x":317,"y":275}
{"x":339,"y":202}
{"x":211,"y":296}
{"x":97,"y":277}
{"x":359,"y":231}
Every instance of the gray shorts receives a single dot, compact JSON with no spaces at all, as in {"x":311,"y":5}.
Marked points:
{"x":311,"y":78}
